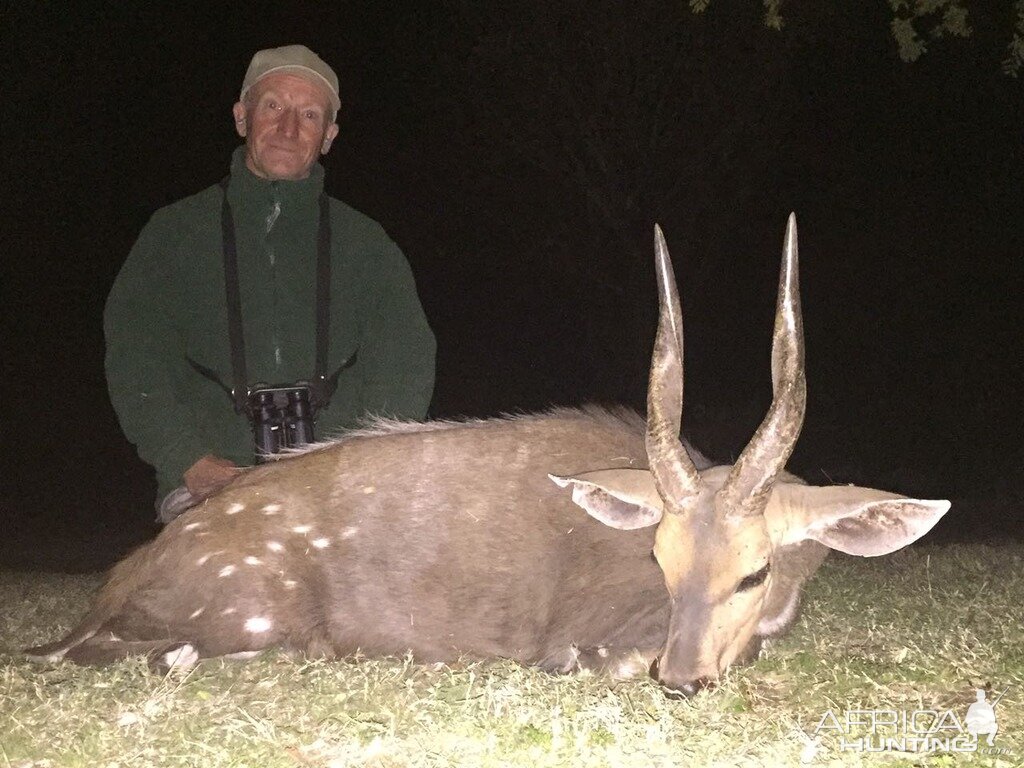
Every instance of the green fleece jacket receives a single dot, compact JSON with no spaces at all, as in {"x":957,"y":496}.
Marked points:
{"x":167,"y":304}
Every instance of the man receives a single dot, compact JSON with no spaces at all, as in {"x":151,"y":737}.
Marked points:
{"x":172,"y":366}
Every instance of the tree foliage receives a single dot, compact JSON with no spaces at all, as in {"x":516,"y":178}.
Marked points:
{"x":916,"y":22}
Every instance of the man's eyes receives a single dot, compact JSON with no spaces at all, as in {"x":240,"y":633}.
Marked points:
{"x":309,"y":114}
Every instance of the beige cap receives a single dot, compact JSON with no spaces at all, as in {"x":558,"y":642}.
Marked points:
{"x":297,"y":59}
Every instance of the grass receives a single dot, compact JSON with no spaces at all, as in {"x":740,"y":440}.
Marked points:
{"x":917,"y":630}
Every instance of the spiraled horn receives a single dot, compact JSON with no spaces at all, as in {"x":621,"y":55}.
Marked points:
{"x":750,"y":482}
{"x":674,"y":473}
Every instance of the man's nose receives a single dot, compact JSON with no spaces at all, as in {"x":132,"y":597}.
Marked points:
{"x":289,"y":124}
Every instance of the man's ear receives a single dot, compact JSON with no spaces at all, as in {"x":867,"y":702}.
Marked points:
{"x":329,"y":136}
{"x":238,"y":112}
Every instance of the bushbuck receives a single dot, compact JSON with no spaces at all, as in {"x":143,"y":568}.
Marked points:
{"x":573,"y":539}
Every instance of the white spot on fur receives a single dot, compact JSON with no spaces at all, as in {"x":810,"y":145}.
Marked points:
{"x":271,"y":509}
{"x":181,"y":659}
{"x":202,"y":560}
{"x":635,"y":664}
{"x":227,"y":570}
{"x":234,"y":509}
{"x":250,"y":560}
{"x":197,"y":613}
{"x":290,"y":583}
{"x":53,"y":657}
{"x":275,"y":546}
{"x":257,"y":624}
{"x":368,"y":489}
{"x":228,"y":611}
{"x":192,"y":526}
{"x":302,"y":528}
{"x":241,"y":655}
{"x":349,"y":532}
{"x":321,"y":542}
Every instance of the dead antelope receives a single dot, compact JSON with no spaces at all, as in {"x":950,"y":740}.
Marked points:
{"x":528,"y":538}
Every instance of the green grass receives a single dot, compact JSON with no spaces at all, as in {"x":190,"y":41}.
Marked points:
{"x":916,"y":630}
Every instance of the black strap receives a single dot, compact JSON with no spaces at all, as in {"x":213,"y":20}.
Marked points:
{"x":211,"y":374}
{"x":323,"y":386}
{"x":240,"y":388}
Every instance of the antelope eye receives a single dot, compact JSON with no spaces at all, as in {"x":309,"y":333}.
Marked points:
{"x":754,"y":579}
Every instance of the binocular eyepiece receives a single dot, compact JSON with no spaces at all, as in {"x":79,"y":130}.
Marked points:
{"x":282,"y":417}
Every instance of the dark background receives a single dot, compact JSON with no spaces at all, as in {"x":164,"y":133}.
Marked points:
{"x":520,"y":157}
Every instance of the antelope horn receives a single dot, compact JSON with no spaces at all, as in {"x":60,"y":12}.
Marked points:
{"x":675,"y":476}
{"x":750,"y":482}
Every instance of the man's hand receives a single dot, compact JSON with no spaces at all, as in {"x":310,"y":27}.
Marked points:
{"x":209,"y":474}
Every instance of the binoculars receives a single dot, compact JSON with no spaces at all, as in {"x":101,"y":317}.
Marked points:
{"x":282,"y":417}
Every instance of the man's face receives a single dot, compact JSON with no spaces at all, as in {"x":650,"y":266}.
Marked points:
{"x":286,"y":123}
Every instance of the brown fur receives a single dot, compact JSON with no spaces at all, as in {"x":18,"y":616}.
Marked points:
{"x":442,"y":539}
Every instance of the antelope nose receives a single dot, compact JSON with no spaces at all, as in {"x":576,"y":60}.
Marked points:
{"x":683,"y":689}
{"x":686,"y":690}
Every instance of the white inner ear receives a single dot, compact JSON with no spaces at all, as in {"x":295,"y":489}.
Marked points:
{"x":772,"y":625}
{"x":857,"y":521}
{"x":624,"y":499}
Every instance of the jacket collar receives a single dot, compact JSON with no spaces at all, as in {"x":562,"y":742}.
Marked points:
{"x":247,"y":191}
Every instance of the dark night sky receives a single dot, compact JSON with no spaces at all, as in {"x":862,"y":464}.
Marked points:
{"x":908,"y":182}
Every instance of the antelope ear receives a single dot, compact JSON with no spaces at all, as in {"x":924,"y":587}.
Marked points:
{"x":857,"y":521}
{"x":624,"y":499}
